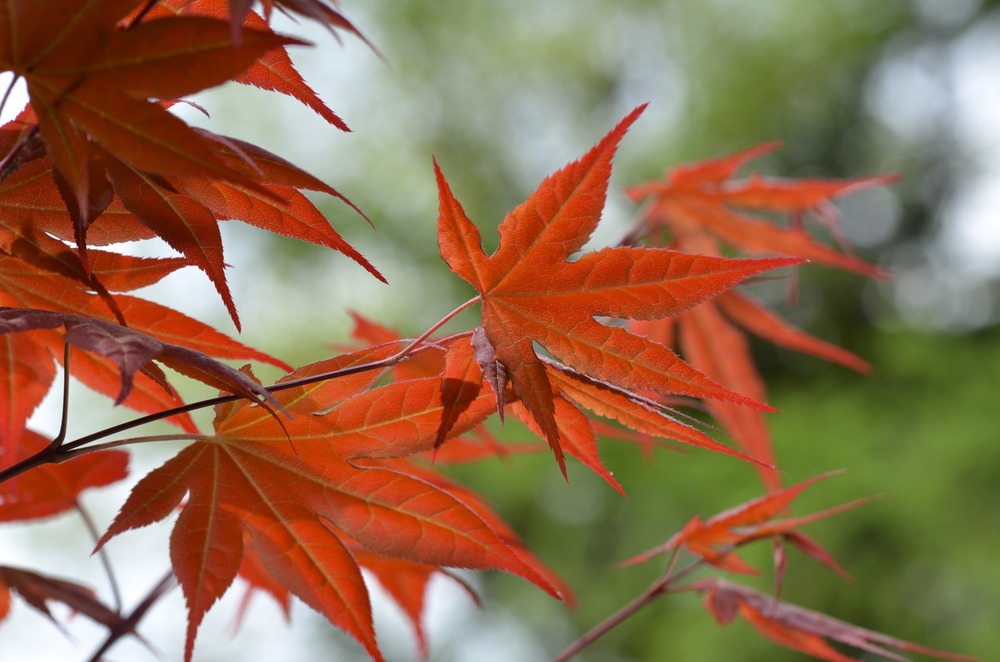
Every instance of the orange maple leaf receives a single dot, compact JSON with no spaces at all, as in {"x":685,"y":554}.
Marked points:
{"x":304,"y":506}
{"x":184,"y":210}
{"x":43,"y":274}
{"x":531,"y":292}
{"x":95,"y":83}
{"x":271,"y":71}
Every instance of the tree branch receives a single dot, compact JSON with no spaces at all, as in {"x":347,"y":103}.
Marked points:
{"x":60,"y":452}
{"x":129,"y":623}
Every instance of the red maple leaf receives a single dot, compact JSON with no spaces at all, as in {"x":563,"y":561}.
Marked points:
{"x":45,"y":275}
{"x":184,"y":209}
{"x":701,"y":207}
{"x":38,"y":590}
{"x":802,"y":629}
{"x":295,"y":499}
{"x":461,"y":374}
{"x":700,"y":198}
{"x":531,"y":292}
{"x":98,"y":84}
{"x":716,"y":538}
{"x":274,"y":69}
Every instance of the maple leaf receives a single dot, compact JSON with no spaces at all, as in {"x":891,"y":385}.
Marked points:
{"x":406,"y":582}
{"x":51,"y":489}
{"x":37,"y":590}
{"x":715,"y":539}
{"x":531,"y":294}
{"x":714,"y":346}
{"x":92,"y":84}
{"x":30,"y":196}
{"x":764,"y":323}
{"x":40,"y":277}
{"x":294,"y":500}
{"x":697,"y":198}
{"x":133,"y":351}
{"x":462,"y":377}
{"x":183,"y":210}
{"x":802,"y":629}
{"x":721,"y":351}
{"x":271,"y":71}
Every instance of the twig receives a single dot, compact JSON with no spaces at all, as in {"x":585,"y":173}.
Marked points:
{"x":64,"y":416}
{"x":64,"y":452}
{"x":28,"y":146}
{"x":10,"y":88}
{"x":129,"y":623}
{"x":661,"y":586}
{"x":65,"y":455}
{"x":142,"y":13}
{"x":102,"y":554}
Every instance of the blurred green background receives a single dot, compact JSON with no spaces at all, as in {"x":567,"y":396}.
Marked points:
{"x":505,"y":92}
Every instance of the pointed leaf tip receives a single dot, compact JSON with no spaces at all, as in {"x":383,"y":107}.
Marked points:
{"x":532,"y":293}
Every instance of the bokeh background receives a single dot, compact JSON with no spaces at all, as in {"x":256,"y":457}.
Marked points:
{"x":503,"y":93}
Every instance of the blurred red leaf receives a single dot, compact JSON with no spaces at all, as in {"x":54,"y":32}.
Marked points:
{"x":802,"y":629}
{"x":38,"y":590}
{"x":51,"y":489}
{"x":700,"y":198}
{"x":716,"y":538}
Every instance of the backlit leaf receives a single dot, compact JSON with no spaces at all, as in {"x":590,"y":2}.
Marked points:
{"x":531,"y":293}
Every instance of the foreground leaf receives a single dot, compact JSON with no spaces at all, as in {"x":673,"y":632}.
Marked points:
{"x":183,"y":209}
{"x":304,"y":506}
{"x":40,"y":272}
{"x":531,"y":293}
{"x":273,"y":70}
{"x":92,"y":84}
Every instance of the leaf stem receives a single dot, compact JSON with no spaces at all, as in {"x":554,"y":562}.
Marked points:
{"x":72,"y":449}
{"x":142,"y":13}
{"x":661,"y":586}
{"x":88,"y":521}
{"x":6,"y":94}
{"x":406,"y":351}
{"x":66,"y":454}
{"x":64,"y":416}
{"x":129,"y":623}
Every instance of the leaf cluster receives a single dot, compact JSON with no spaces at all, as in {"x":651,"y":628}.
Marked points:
{"x":336,"y":468}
